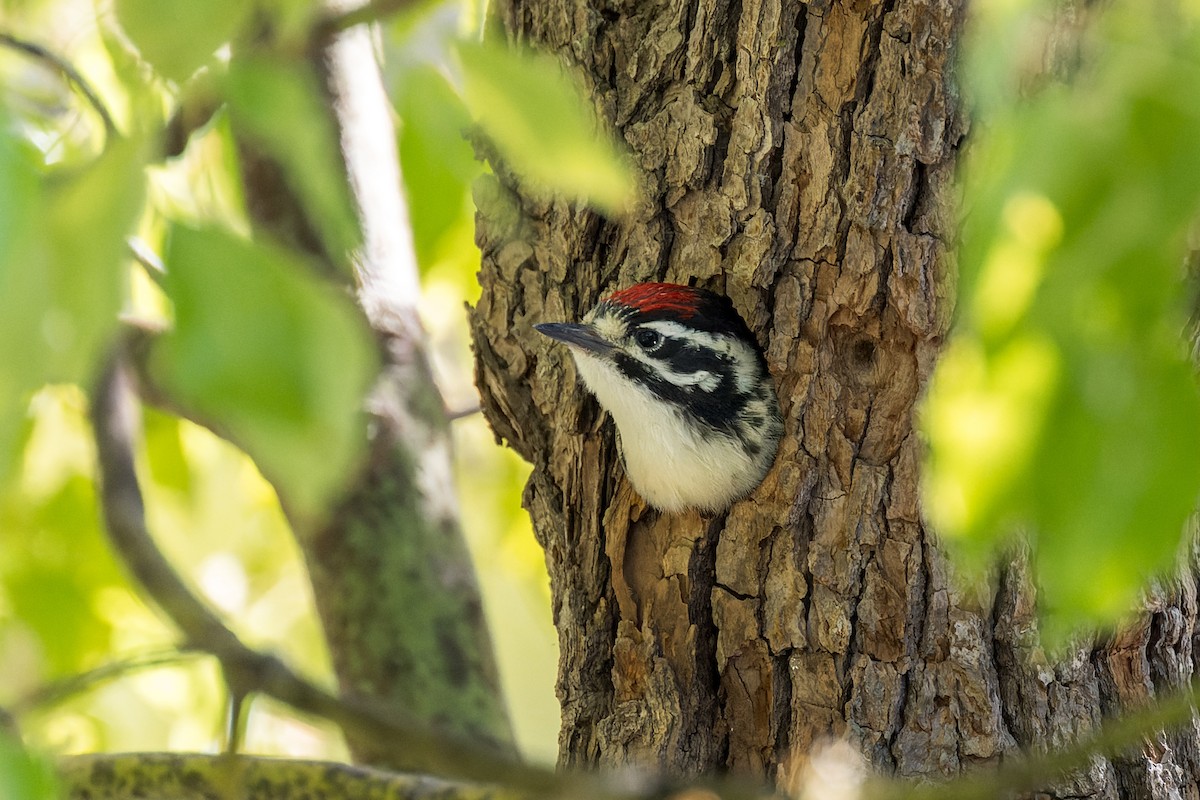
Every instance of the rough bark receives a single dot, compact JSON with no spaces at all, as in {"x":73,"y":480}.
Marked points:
{"x":799,"y":157}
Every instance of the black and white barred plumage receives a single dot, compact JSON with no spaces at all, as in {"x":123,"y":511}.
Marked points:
{"x":688,"y":388}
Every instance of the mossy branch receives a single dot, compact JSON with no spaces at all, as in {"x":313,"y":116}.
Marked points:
{"x":113,"y":418}
{"x":175,"y":776}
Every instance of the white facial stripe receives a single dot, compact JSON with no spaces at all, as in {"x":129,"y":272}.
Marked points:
{"x":745,"y":361}
{"x":704,"y":379}
{"x":614,"y":328}
{"x":668,"y":328}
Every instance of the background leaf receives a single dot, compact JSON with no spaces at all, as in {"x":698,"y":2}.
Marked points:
{"x":439,"y":165}
{"x":278,"y":106}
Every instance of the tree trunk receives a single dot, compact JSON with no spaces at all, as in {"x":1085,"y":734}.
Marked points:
{"x":800,"y":158}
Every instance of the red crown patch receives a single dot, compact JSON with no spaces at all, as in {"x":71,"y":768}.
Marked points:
{"x":648,"y":297}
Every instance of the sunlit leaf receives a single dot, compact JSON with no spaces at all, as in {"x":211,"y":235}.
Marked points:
{"x":1065,"y":405}
{"x":269,"y":354}
{"x":280,"y":107}
{"x":178,"y":36}
{"x":536,"y":116}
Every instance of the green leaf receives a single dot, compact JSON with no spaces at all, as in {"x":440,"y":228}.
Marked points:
{"x":269,"y":354}
{"x":179,"y":36}
{"x":438,"y":163}
{"x":536,"y":116}
{"x":278,"y":106}
{"x":1065,"y":405}
{"x":62,"y":268}
{"x":24,"y":776}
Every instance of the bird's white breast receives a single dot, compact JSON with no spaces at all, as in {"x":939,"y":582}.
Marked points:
{"x":672,"y":464}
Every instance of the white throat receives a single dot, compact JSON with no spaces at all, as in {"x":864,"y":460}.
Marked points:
{"x":670,"y":462}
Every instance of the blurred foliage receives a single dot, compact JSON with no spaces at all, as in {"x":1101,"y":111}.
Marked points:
{"x":278,"y":105}
{"x":533,"y":111}
{"x":523,"y":103}
{"x":434,"y":153}
{"x":24,"y":776}
{"x":1065,"y":406}
{"x":178,"y":36}
{"x":62,"y":253}
{"x":257,"y":344}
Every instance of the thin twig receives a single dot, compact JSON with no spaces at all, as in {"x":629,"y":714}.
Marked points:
{"x":463,"y":413}
{"x":60,"y":691}
{"x":149,"y":261}
{"x":113,"y":420}
{"x":68,"y":73}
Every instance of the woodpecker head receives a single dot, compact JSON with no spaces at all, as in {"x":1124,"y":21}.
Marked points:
{"x":687,"y":386}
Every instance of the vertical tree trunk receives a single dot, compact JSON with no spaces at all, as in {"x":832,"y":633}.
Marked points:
{"x":798,"y":157}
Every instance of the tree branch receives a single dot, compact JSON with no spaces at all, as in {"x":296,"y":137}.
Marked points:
{"x":113,"y":419}
{"x":422,"y":642}
{"x":68,"y":73}
{"x":176,"y":776}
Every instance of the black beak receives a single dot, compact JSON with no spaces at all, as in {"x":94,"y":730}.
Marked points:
{"x":569,"y":333}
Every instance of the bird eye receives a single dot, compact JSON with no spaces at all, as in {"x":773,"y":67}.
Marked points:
{"x":648,"y":339}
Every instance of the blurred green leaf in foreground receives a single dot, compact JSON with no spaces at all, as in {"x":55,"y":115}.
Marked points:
{"x":62,"y":268}
{"x":529,"y":107}
{"x":23,"y":776}
{"x":253,"y":343}
{"x":270,"y":354}
{"x":1064,"y":405}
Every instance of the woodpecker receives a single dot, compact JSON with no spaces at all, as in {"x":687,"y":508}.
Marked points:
{"x":687,"y":385}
